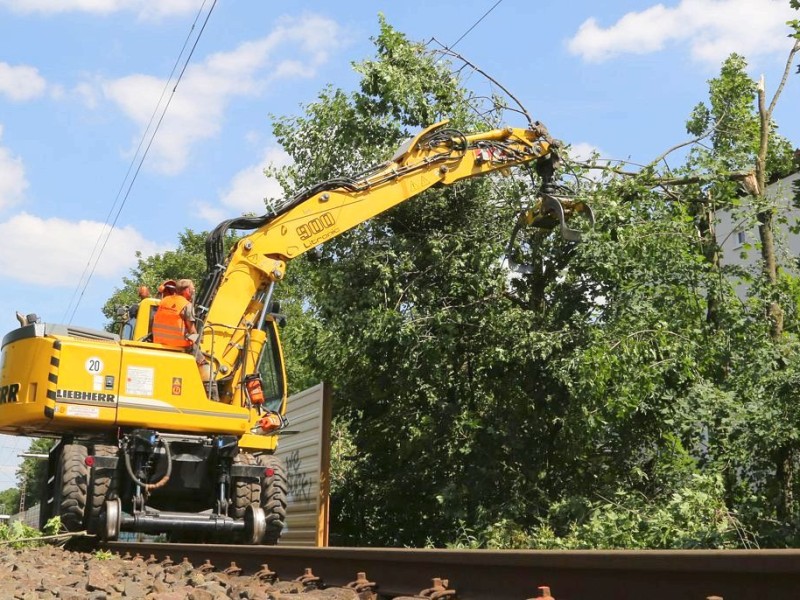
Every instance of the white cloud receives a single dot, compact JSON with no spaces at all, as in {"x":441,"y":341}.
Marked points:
{"x":143,"y":8}
{"x":197,"y":109}
{"x":583,"y":151}
{"x":711,"y":28}
{"x":247,"y":190}
{"x":21,"y":82}
{"x":13,"y":182}
{"x":61,"y":249}
{"x":87,"y":94}
{"x":586,"y":152}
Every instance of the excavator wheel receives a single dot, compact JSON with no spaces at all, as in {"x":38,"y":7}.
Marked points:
{"x":102,"y":487}
{"x":72,"y":476}
{"x":274,"y":490}
{"x":246,"y":490}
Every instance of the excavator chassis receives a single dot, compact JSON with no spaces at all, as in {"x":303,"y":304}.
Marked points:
{"x":187,"y":488}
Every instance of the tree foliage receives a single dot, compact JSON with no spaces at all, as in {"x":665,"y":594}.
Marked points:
{"x":526,"y":410}
{"x":621,"y":394}
{"x":186,"y":261}
{"x":9,"y":501}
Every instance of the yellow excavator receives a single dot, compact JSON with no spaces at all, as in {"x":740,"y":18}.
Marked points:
{"x":148,"y":442}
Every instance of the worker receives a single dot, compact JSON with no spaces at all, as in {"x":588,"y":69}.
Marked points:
{"x":173,"y":324}
{"x":167,"y":288}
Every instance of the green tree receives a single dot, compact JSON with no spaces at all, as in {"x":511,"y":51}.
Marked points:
{"x":9,"y":501}
{"x":744,"y":136}
{"x":187,"y":261}
{"x":621,"y":368}
{"x":407,"y":311}
{"x":471,"y":405}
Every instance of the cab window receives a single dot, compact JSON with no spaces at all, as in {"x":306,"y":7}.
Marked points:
{"x":270,"y":368}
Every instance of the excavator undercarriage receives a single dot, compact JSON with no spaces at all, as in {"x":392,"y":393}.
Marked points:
{"x":185,"y":488}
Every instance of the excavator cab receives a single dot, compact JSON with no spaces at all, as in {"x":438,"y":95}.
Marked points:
{"x":135,"y":322}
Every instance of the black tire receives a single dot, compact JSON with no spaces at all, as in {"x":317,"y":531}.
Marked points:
{"x":246,"y":490}
{"x":103,"y":487}
{"x":274,"y":492}
{"x":70,"y":490}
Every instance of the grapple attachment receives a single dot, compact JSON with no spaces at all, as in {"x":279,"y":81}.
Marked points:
{"x":549,"y":211}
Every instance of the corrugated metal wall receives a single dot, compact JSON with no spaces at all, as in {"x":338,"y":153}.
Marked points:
{"x":306,"y":454}
{"x":30,"y":517}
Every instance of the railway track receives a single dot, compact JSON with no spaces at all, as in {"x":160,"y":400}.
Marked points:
{"x":512,"y":574}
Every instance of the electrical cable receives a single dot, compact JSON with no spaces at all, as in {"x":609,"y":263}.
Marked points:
{"x":133,"y":161}
{"x":474,"y":25}
{"x":144,"y":154}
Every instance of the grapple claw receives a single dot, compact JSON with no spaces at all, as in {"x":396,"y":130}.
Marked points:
{"x":549,"y":212}
{"x":552,"y":211}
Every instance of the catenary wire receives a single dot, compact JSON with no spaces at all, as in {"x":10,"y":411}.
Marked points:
{"x":475,"y":24}
{"x":132,"y":163}
{"x":97,"y":255}
{"x":152,"y":137}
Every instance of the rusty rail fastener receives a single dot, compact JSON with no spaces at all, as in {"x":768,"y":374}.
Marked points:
{"x":234,"y":569}
{"x":266,"y":574}
{"x":167,"y":562}
{"x":438,"y":590}
{"x":151,"y":560}
{"x":309,"y":579}
{"x":186,"y":565}
{"x":544,"y":593}
{"x":362,"y":584}
{"x":206,"y":567}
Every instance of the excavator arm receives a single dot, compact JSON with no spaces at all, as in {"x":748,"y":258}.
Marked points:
{"x":237,"y":291}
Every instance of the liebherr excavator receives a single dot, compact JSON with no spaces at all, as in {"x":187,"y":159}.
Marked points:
{"x":150,"y":443}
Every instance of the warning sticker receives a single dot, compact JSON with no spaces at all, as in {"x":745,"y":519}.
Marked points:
{"x":87,"y":412}
{"x":139,"y":381}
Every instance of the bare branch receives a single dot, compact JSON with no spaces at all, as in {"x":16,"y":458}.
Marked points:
{"x":795,"y":49}
{"x":664,"y":154}
{"x":733,"y":176}
{"x":448,"y":52}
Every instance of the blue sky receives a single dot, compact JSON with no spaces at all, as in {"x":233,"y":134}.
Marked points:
{"x":79,"y":80}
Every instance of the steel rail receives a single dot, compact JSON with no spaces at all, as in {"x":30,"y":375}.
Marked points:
{"x":517,"y":574}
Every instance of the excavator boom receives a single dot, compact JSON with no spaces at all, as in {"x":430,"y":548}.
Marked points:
{"x":438,"y":155}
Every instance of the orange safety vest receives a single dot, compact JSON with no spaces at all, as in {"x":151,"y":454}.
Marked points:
{"x":168,"y":326}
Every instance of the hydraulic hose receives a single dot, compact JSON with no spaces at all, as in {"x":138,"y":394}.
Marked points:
{"x":149,"y":487}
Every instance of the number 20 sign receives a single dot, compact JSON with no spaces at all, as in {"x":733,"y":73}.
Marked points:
{"x":94,"y":365}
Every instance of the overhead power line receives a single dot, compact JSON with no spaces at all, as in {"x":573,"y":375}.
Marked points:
{"x":475,"y":24}
{"x":105,"y":234}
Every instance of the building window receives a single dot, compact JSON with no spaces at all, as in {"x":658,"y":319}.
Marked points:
{"x":741,"y":237}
